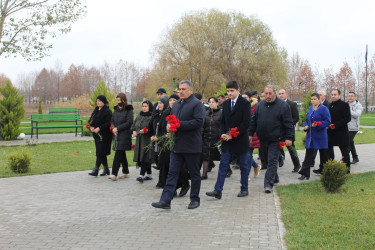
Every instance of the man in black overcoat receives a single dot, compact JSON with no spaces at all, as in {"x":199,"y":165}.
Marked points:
{"x":236,"y":113}
{"x":187,"y":148}
{"x":338,"y":132}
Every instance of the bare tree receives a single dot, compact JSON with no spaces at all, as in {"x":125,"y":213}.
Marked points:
{"x":25,"y":26}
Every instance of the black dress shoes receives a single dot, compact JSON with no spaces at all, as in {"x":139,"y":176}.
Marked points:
{"x":184,"y":190}
{"x":215,"y":194}
{"x":229,"y":173}
{"x":193,"y":204}
{"x":295,"y":170}
{"x":354,"y":161}
{"x":161,"y":204}
{"x":302,"y":177}
{"x":317,"y":171}
{"x":243,"y":193}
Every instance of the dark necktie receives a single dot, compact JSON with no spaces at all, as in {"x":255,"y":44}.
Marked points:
{"x":232,"y":106}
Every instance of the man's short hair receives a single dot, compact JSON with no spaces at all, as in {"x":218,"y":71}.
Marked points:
{"x":338,"y":91}
{"x":232,"y":85}
{"x":316,"y":95}
{"x":352,"y":92}
{"x":323,"y":92}
{"x":270,"y":87}
{"x":187,"y":82}
{"x":222,"y":96}
{"x":198,"y":95}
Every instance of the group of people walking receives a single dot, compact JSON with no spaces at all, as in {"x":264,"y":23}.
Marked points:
{"x":227,"y":129}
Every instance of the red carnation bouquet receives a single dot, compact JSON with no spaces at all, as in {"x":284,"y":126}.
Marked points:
{"x":145,"y":130}
{"x":88,"y":125}
{"x":232,"y":132}
{"x":174,"y":124}
{"x":111,"y":127}
{"x":166,"y":142}
{"x":281,"y":145}
{"x":317,"y":123}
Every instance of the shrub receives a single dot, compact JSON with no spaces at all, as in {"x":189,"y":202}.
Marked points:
{"x":12,"y":112}
{"x":334,"y":175}
{"x":306,"y":103}
{"x":102,"y":89}
{"x":40,"y":110}
{"x":19,"y":162}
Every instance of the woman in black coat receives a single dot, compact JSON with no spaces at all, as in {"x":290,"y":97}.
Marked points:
{"x":211,"y":135}
{"x":162,"y":105}
{"x":99,"y":124}
{"x":122,"y":120}
{"x":164,"y":159}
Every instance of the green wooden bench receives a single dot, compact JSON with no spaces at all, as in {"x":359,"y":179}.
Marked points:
{"x":38,"y":121}
{"x":63,"y":110}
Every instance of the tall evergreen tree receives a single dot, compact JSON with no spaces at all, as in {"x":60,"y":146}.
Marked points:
{"x":102,"y":89}
{"x":12,"y":112}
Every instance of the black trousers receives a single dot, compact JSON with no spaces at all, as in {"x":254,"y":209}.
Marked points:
{"x":145,"y":168}
{"x":293,"y":155}
{"x":120,"y":158}
{"x":310,"y":158}
{"x":101,"y":160}
{"x":163,"y":164}
{"x":352,"y":146}
{"x":344,"y":152}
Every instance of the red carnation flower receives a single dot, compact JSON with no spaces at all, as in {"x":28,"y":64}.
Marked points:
{"x":281,"y":144}
{"x":133,"y":146}
{"x":145,"y":130}
{"x":110,"y":128}
{"x":332,"y":126}
{"x":87,"y":125}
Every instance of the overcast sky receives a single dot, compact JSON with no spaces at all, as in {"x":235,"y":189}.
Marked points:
{"x":324,"y":32}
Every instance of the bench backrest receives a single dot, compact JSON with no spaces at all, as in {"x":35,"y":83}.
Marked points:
{"x":54,"y":117}
{"x":63,"y":110}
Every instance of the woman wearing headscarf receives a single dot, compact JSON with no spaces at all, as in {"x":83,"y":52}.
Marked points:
{"x":122,"y":120}
{"x":99,"y":124}
{"x":162,"y":104}
{"x":211,"y":135}
{"x":164,"y":157}
{"x":318,"y":119}
{"x":139,"y":129}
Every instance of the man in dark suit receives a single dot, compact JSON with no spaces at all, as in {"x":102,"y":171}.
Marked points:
{"x":295,"y":116}
{"x":236,"y":113}
{"x":323,"y":98}
{"x":338,"y":132}
{"x":187,"y":148}
{"x":272,"y":121}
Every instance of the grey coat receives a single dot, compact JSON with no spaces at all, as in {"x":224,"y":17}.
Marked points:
{"x":122,"y":119}
{"x":355,"y":111}
{"x":142,"y":140}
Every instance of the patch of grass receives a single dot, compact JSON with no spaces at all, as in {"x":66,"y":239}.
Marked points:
{"x":369,"y":114}
{"x":57,"y":157}
{"x":367,"y":121}
{"x":319,"y":220}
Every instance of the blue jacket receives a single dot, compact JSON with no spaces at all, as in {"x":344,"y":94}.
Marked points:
{"x":316,"y":137}
{"x":191,"y":113}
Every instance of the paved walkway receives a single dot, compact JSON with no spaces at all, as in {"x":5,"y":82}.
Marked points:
{"x":76,"y":211}
{"x":47,"y":138}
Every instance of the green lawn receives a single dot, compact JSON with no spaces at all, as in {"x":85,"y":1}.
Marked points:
{"x":367,"y":121}
{"x":56,"y":157}
{"x":315,"y":219}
